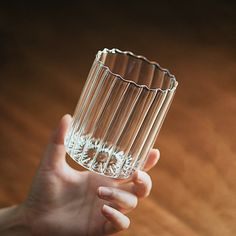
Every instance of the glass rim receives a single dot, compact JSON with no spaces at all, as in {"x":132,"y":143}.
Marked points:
{"x":154,"y":63}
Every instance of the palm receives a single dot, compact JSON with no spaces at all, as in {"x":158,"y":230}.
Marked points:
{"x":69,"y":199}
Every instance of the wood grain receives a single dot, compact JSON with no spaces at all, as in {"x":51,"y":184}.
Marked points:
{"x":46,"y":52}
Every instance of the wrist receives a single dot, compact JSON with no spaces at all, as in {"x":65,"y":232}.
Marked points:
{"x":13,"y":221}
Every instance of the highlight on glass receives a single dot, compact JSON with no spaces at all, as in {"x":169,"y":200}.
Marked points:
{"x":119,"y":114}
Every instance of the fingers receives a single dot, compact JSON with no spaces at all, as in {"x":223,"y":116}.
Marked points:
{"x":126,"y":197}
{"x":140,"y":186}
{"x":116,"y":220}
{"x":125,"y":201}
{"x":55,"y":153}
{"x":153,"y":157}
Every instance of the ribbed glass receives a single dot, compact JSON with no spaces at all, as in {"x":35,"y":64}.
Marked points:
{"x":119,"y":114}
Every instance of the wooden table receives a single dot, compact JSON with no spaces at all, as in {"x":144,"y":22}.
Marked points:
{"x":46,"y":52}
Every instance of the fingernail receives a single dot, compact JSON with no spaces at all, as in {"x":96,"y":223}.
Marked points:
{"x":107,"y":210}
{"x":158,"y":154}
{"x":103,"y":191}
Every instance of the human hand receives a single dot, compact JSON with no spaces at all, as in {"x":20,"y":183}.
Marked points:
{"x":64,"y":201}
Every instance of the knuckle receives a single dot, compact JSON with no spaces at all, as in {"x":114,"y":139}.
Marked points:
{"x":113,"y":194}
{"x":144,"y":177}
{"x":149,"y":183}
{"x":116,"y":194}
{"x":147,"y":186}
{"x":147,"y":193}
{"x":134,"y":203}
{"x":149,"y":180}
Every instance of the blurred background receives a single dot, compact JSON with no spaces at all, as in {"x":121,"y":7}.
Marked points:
{"x":46,"y":50}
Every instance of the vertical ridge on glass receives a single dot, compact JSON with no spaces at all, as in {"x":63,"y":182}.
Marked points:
{"x":154,"y":131}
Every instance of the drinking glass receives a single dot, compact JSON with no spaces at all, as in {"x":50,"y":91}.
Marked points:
{"x":119,"y":114}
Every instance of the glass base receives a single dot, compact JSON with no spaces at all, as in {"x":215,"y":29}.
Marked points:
{"x":96,"y":156}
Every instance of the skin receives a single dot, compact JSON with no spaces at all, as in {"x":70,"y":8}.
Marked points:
{"x":64,"y":201}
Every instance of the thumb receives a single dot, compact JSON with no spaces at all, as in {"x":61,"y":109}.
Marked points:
{"x":55,"y":152}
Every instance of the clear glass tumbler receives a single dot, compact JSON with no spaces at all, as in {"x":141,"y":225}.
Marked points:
{"x":119,"y":114}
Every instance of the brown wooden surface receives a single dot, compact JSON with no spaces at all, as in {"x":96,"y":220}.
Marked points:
{"x":46,"y":52}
